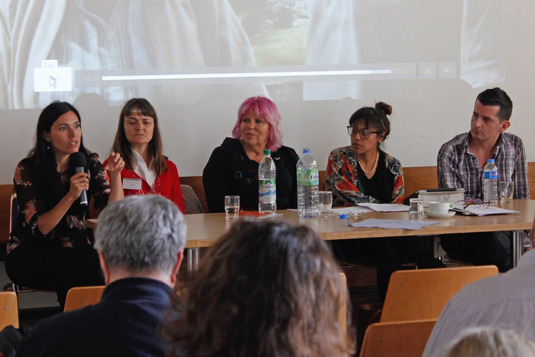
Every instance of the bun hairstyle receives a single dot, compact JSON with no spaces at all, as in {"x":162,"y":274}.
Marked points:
{"x":376,"y":118}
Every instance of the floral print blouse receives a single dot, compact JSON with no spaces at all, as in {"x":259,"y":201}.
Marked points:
{"x":342,"y":178}
{"x":71,"y":230}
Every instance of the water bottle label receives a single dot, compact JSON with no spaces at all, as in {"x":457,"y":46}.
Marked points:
{"x":267,"y":191}
{"x":491,"y":175}
{"x":308,"y":177}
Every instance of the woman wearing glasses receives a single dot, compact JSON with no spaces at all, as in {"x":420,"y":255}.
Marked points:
{"x":363,"y":172}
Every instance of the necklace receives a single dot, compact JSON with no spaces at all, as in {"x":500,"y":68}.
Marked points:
{"x":374,"y":165}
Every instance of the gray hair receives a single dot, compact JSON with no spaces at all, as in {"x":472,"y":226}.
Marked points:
{"x":141,"y":234}
{"x":489,"y":341}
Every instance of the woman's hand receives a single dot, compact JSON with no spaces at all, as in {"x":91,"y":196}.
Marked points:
{"x":79,"y":182}
{"x":115,"y":164}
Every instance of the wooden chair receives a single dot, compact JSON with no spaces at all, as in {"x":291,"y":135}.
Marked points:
{"x":397,"y":339}
{"x":422,"y":294}
{"x":9,"y":309}
{"x":82,"y":296}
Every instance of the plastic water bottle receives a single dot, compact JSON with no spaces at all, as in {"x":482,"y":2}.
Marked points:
{"x":307,"y":185}
{"x":490,"y":182}
{"x":267,"y":184}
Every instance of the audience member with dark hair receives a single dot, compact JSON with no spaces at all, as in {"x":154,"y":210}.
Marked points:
{"x":265,"y":288}
{"x":50,"y":246}
{"x":233,"y":167}
{"x":140,"y":242}
{"x":139,"y":142}
{"x":362,"y":172}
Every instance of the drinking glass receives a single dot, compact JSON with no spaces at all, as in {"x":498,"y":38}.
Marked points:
{"x":416,"y":210}
{"x":232,"y":206}
{"x":326,"y":202}
{"x":506,"y":191}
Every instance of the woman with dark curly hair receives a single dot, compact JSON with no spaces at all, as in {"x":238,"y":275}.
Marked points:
{"x":362,"y":172}
{"x":265,"y":288}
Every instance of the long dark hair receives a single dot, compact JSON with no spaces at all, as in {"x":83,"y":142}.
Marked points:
{"x":265,"y":288}
{"x":43,"y":167}
{"x":154,"y":148}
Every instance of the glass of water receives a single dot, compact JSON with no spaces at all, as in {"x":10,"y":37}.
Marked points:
{"x":416,"y":210}
{"x":507,"y":189}
{"x":326,"y":202}
{"x":232,"y":207}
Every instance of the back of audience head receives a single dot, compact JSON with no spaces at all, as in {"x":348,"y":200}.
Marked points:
{"x":497,"y":96}
{"x":141,"y":234}
{"x":265,"y":288}
{"x":491,"y":342}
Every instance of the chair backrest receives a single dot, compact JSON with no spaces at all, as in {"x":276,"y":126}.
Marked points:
{"x":191,"y":201}
{"x":422,"y":294}
{"x":82,"y":296}
{"x":9,"y":309}
{"x":399,"y":339}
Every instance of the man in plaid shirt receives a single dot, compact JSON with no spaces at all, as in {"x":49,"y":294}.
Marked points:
{"x":460,"y":164}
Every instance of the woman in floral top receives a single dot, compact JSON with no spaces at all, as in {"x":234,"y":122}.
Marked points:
{"x":50,"y":246}
{"x":363,"y":172}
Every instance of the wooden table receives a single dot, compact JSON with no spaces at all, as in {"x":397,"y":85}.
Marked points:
{"x":204,"y":229}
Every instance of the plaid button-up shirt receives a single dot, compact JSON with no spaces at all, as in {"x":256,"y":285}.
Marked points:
{"x":458,"y":168}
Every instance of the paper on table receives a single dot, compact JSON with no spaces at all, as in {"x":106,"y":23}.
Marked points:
{"x":351,"y":210}
{"x":392,"y":223}
{"x":481,"y":210}
{"x":385,"y":207}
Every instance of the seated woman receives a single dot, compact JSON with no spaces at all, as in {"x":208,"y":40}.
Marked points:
{"x":233,"y":167}
{"x":139,"y":142}
{"x":363,"y":172}
{"x":265,"y":288}
{"x":50,"y":246}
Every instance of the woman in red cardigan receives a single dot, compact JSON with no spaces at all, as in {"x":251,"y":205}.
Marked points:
{"x":139,"y":142}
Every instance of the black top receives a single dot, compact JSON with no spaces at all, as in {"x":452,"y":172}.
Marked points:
{"x":381,"y":184}
{"x":230,"y":172}
{"x":126,"y":322}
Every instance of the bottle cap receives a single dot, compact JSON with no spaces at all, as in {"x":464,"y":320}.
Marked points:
{"x":343,"y":216}
{"x":306,"y":151}
{"x":267,"y":152}
{"x":490,"y":161}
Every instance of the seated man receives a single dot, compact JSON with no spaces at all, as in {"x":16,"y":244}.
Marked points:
{"x":460,"y":164}
{"x":140,"y":243}
{"x":503,"y":301}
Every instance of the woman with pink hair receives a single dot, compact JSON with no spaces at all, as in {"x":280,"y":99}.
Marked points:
{"x":233,"y":167}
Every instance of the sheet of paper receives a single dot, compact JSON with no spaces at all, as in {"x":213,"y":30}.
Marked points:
{"x":385,"y":207}
{"x":392,"y":223}
{"x":482,"y":210}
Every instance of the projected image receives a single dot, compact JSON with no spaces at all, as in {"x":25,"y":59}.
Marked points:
{"x":186,"y":51}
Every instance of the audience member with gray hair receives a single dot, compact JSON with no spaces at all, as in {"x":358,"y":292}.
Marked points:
{"x":491,"y":342}
{"x":140,"y":242}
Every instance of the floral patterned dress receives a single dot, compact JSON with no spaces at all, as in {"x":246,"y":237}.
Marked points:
{"x":71,"y":230}
{"x":346,"y":183}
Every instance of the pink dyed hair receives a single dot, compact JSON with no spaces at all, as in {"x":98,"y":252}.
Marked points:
{"x":267,"y":109}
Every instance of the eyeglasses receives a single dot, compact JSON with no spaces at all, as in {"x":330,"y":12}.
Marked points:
{"x":475,"y":202}
{"x":363,"y":133}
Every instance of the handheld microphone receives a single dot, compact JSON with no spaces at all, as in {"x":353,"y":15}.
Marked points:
{"x":77,"y":162}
